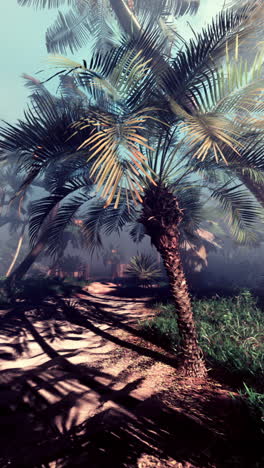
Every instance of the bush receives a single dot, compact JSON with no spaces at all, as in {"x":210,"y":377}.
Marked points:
{"x":35,"y":290}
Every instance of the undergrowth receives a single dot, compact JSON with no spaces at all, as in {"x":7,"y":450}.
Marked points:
{"x":34,"y":290}
{"x":231,"y":331}
{"x":231,"y":334}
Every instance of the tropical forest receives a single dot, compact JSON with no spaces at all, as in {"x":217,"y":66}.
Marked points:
{"x":132,"y":234}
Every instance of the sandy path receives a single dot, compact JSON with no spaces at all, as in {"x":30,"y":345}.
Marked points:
{"x":66,"y":373}
{"x":90,"y":392}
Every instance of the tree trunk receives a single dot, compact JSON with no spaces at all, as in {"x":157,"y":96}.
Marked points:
{"x":19,"y":245}
{"x":126,"y":17}
{"x":161,"y":217}
{"x":130,"y":24}
{"x":24,"y":266}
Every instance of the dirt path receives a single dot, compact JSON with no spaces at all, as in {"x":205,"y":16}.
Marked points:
{"x":91,"y":392}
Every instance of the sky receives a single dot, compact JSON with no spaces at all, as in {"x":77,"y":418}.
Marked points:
{"x":22,"y":48}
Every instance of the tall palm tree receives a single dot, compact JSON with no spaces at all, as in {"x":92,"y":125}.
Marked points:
{"x":143,"y":123}
{"x":170,"y":213}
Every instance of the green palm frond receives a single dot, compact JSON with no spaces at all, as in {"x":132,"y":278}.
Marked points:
{"x":215,"y":124}
{"x":99,"y":220}
{"x":137,"y":232}
{"x":31,"y":137}
{"x":71,"y":30}
{"x":233,"y":86}
{"x":68,"y":198}
{"x":65,"y":216}
{"x":124,"y":75}
{"x":242,"y":211}
{"x":195,"y":63}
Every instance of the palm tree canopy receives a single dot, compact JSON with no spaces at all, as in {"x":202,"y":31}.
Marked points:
{"x":138,"y":126}
{"x":96,"y":19}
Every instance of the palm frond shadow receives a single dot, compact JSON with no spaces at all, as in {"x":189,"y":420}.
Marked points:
{"x":41,"y":408}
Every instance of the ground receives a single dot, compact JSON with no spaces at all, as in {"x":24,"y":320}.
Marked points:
{"x":86,"y":389}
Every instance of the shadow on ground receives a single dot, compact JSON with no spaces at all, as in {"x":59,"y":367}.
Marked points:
{"x":43,"y":397}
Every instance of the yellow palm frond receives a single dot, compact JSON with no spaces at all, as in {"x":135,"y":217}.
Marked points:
{"x":58,"y":61}
{"x":114,"y":146}
{"x":210,"y":133}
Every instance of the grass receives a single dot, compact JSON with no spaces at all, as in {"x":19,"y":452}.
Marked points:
{"x":231,"y":334}
{"x":255,"y":405}
{"x":231,"y":331}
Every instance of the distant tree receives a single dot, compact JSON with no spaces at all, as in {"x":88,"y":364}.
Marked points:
{"x":112,"y":256}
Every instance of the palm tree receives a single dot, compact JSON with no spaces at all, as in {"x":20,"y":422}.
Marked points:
{"x":47,"y":116}
{"x":167,"y":232}
{"x":100,"y":20}
{"x":13,"y":215}
{"x":143,"y":123}
{"x":144,"y":270}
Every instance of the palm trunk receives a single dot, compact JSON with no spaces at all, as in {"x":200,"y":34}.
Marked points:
{"x":24,"y":266}
{"x":19,"y":245}
{"x":130,"y":24}
{"x":161,"y":217}
{"x":126,"y":17}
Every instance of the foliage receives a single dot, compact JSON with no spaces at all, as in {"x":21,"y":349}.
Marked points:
{"x":95,"y":20}
{"x":70,"y":263}
{"x":231,"y":332}
{"x":144,"y":270}
{"x":255,"y":404}
{"x":133,"y":105}
{"x":34,"y":290}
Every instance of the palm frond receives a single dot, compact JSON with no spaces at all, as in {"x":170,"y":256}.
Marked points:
{"x":137,"y":232}
{"x":195,"y":63}
{"x":242,"y":211}
{"x":115,"y":147}
{"x":31,"y":137}
{"x":67,"y":200}
{"x":44,"y":3}
{"x":100,"y":221}
{"x":168,"y":7}
{"x":71,"y":30}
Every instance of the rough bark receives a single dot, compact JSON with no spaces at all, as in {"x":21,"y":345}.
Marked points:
{"x":161,"y":217}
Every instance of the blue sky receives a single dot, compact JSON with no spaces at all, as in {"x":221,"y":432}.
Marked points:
{"x":22,"y":50}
